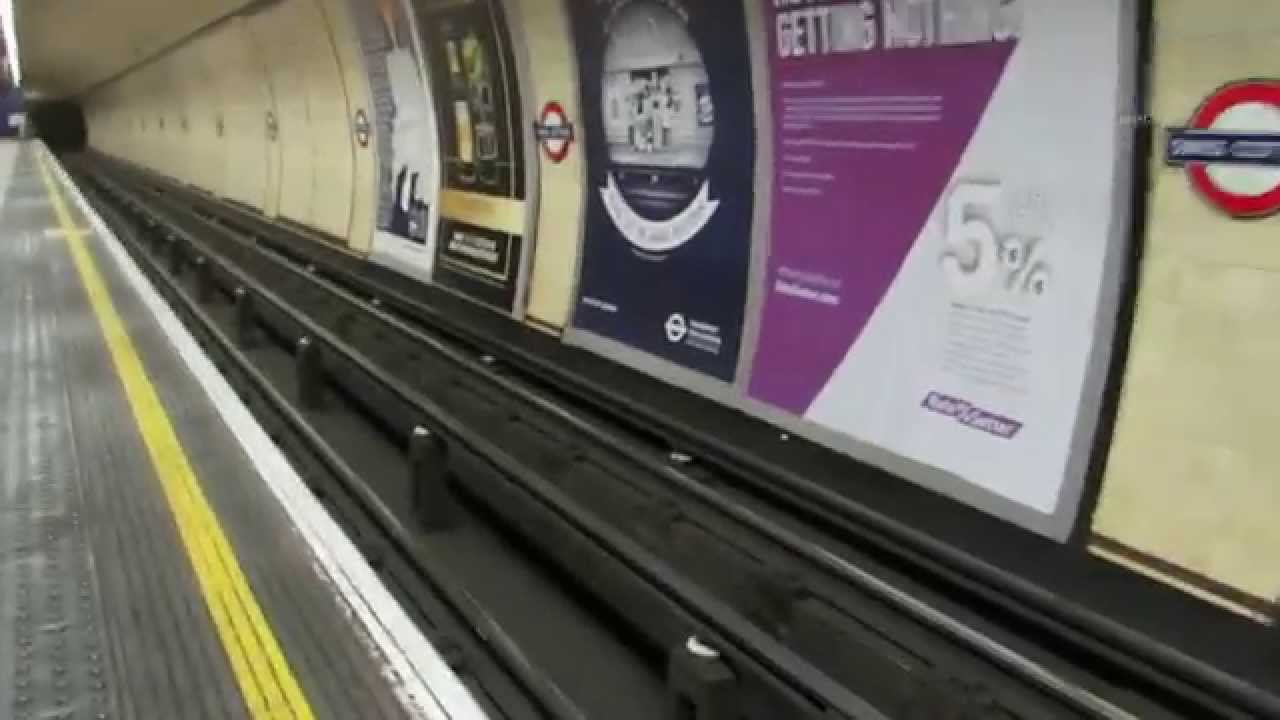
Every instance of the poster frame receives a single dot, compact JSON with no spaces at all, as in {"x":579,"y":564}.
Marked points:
{"x":521,"y":70}
{"x":1075,"y":497}
{"x":1099,"y":388}
{"x":729,"y":393}
{"x":384,"y":258}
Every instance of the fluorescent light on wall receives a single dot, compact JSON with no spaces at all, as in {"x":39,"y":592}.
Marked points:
{"x":11,"y":40}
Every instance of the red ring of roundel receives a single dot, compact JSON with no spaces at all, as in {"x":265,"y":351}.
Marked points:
{"x":554,"y":108}
{"x":1238,"y":205}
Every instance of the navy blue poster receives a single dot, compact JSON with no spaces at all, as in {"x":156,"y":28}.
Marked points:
{"x":670,"y":137}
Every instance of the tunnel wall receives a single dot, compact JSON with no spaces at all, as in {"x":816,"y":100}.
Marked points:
{"x":620,"y":172}
{"x":302,"y":110}
{"x":258,"y":109}
{"x":1192,"y":490}
{"x":261,"y":109}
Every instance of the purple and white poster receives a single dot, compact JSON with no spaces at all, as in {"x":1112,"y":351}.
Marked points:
{"x":948,"y":191}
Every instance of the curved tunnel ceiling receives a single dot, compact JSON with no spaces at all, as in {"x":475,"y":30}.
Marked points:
{"x":69,"y":46}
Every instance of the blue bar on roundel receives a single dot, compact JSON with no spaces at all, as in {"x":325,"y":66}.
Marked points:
{"x":1189,"y":145}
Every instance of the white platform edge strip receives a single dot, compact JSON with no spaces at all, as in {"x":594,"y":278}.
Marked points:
{"x":428,"y":687}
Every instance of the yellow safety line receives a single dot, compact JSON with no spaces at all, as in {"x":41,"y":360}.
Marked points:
{"x":269,"y":687}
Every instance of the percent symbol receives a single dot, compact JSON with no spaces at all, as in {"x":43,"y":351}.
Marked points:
{"x":1028,"y":272}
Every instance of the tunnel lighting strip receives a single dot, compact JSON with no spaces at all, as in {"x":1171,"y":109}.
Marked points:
{"x":11,"y":40}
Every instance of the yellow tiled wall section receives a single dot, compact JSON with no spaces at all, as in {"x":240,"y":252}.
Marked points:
{"x":285,"y":59}
{"x":1194,"y":471}
{"x":555,"y":266}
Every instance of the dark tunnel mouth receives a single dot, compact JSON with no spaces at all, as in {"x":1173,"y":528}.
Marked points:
{"x":60,"y":123}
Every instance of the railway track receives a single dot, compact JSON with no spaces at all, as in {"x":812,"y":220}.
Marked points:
{"x":708,"y":589}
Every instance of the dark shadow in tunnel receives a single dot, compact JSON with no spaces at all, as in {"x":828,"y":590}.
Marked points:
{"x":60,"y":123}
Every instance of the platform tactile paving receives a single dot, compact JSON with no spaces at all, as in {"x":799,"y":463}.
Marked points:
{"x":53,"y":658}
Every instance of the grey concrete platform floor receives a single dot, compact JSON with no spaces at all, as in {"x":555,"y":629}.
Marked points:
{"x":105,"y":612}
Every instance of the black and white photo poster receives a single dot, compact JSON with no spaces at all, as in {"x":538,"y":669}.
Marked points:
{"x":670,"y":136}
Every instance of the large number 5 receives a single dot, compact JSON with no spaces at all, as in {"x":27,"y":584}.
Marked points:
{"x":971,"y":259}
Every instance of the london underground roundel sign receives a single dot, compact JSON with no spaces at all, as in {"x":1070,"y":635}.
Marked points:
{"x":554,"y":132}
{"x":1231,"y":148}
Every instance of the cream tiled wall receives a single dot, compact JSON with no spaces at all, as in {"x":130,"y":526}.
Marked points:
{"x":1194,"y":472}
{"x":294,"y":59}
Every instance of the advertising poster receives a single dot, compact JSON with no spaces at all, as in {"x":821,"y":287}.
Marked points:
{"x":480,"y":249}
{"x":670,"y":138}
{"x":948,"y":209}
{"x":404,"y":119}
